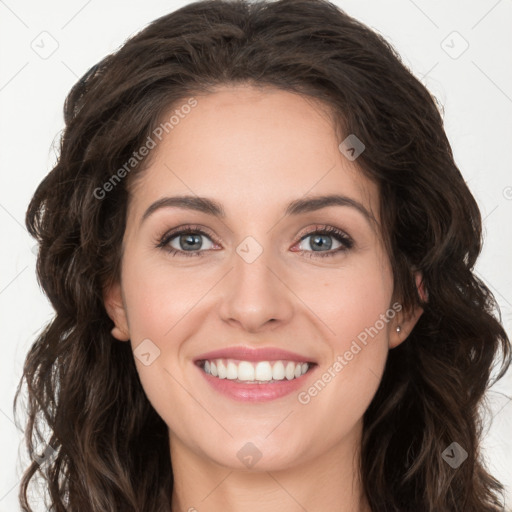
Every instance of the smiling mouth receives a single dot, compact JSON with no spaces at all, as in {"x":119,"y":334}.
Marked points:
{"x":252,"y":372}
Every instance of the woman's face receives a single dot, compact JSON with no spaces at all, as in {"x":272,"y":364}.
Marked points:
{"x":254,"y":153}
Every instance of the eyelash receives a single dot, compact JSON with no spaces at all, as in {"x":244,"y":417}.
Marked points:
{"x":342,"y":237}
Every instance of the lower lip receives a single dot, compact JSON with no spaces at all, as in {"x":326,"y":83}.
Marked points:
{"x":256,"y":392}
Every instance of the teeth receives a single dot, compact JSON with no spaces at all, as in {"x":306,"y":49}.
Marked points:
{"x":232,"y":372}
{"x":278,"y":371}
{"x":261,"y":371}
{"x":246,"y":371}
{"x":290,"y":370}
{"x":221,"y":370}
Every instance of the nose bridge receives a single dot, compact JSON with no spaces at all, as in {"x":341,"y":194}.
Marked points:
{"x":255,"y":292}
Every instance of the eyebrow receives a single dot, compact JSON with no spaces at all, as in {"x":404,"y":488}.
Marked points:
{"x":296,"y":207}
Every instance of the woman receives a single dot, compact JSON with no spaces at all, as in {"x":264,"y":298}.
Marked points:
{"x":260,"y":253}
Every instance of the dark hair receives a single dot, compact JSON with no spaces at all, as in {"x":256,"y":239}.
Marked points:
{"x":111,"y":447}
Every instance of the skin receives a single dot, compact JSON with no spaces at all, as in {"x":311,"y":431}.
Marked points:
{"x":254,"y":151}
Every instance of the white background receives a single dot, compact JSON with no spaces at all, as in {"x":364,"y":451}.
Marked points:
{"x":475,"y":88}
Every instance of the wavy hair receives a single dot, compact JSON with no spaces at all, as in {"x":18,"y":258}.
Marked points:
{"x":106,"y":447}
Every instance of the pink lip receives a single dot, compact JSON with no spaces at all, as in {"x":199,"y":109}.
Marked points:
{"x":255,"y":354}
{"x":256,"y":392}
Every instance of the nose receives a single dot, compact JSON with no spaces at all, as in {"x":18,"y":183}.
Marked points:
{"x":255,"y":297}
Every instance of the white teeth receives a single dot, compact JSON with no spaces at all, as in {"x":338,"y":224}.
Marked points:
{"x":232,"y":371}
{"x":221,"y":369}
{"x":278,"y":371}
{"x":290,"y":370}
{"x":261,"y":371}
{"x":245,"y":371}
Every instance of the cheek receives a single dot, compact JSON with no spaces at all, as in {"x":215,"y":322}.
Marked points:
{"x":159,"y":298}
{"x":163,"y":305}
{"x":158,"y":302}
{"x":355,"y":305}
{"x":351,"y":299}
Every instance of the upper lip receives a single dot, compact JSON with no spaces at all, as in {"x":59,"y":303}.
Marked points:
{"x":254,"y":354}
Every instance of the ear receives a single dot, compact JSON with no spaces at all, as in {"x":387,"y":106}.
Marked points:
{"x":406,"y":320}
{"x":116,"y":309}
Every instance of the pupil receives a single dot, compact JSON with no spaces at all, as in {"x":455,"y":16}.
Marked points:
{"x":320,"y":244}
{"x":192,"y":239}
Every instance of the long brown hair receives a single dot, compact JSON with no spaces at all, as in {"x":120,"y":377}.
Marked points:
{"x":107,"y":448}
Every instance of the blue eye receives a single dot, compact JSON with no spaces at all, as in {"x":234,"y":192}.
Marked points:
{"x":190,"y":237}
{"x":187,"y":237}
{"x":322,"y":237}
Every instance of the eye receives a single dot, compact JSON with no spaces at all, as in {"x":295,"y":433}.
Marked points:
{"x":185,"y":241}
{"x":322,"y":240}
{"x":188,"y":241}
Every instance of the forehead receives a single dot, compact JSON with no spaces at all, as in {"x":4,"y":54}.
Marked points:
{"x":251,"y":149}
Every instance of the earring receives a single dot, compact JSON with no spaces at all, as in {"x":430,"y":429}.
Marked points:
{"x":398,"y":329}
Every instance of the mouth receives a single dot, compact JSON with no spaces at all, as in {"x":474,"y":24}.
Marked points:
{"x":255,"y":372}
{"x":253,"y":375}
